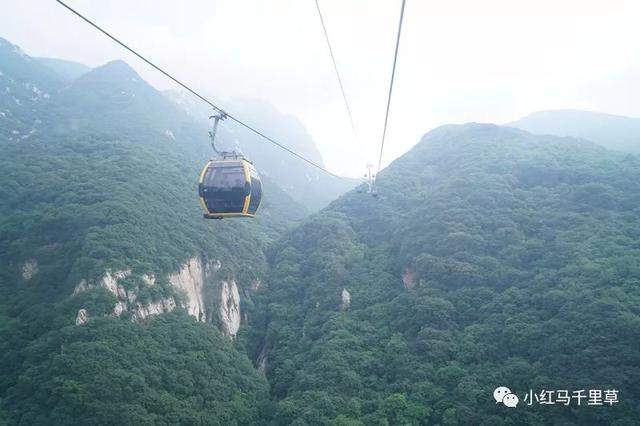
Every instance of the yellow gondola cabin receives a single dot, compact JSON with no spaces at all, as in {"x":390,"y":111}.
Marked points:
{"x":229,"y":187}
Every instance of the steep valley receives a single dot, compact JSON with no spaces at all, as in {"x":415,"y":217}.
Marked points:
{"x":101,"y":233}
{"x":491,"y":257}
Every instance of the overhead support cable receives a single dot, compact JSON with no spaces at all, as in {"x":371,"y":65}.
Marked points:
{"x":194,"y":92}
{"x":393,"y":74}
{"x":335,"y":67}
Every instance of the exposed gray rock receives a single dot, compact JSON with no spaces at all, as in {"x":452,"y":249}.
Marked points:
{"x":408,"y":278}
{"x":190,"y":280}
{"x":149,"y":279}
{"x":255,"y":284}
{"x":346,"y":299}
{"x":82,"y":317}
{"x":262,"y":359}
{"x":119,"y":308}
{"x":141,"y":312}
{"x":29,"y":269}
{"x":230,"y":307}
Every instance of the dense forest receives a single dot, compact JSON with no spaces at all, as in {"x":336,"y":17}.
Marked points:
{"x":98,"y":175}
{"x":491,"y":257}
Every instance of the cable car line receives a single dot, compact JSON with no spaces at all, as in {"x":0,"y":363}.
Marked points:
{"x":193,"y":92}
{"x":393,"y":74}
{"x":335,"y":67}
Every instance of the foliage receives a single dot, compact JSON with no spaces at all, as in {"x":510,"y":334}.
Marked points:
{"x":492,"y":257}
{"x":169,"y":371}
{"x":105,"y":180}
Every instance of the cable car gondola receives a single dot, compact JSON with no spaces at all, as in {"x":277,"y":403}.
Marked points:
{"x":229,"y":186}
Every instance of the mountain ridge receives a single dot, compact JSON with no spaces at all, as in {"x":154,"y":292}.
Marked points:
{"x":488,"y":258}
{"x":492,"y":256}
{"x":69,"y":70}
{"x":612,"y":131}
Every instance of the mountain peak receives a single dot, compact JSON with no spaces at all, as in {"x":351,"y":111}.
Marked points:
{"x":4,"y":42}
{"x":477,"y":131}
{"x":115,"y":90}
{"x":8,"y":48}
{"x":114,"y":76}
{"x":115,"y":70}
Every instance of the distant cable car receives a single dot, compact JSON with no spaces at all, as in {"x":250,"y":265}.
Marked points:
{"x":370,"y":180}
{"x":229,"y":186}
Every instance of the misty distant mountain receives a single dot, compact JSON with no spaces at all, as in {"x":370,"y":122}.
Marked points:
{"x":305,"y":183}
{"x":17,"y":68}
{"x":26,"y":88}
{"x":69,"y":70}
{"x":193,"y":106}
{"x":283,"y":127}
{"x":615,"y":132}
{"x":114,"y":95}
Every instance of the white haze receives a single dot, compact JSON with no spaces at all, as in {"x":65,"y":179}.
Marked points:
{"x":464,"y":60}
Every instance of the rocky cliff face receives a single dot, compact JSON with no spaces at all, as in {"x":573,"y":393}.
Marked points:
{"x":142,"y":311}
{"x":82,"y":317}
{"x":127,"y":299}
{"x":188,"y":282}
{"x":345,"y":298}
{"x":29,"y":269}
{"x":230,"y":307}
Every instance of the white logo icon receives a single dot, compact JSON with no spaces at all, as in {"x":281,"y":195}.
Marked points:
{"x":500,"y":393}
{"x":503,"y":394}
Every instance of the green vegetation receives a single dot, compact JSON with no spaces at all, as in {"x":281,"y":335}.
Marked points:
{"x":169,"y":371}
{"x":106,"y":180}
{"x":492,"y":257}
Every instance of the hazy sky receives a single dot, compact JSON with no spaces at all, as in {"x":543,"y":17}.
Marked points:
{"x":460,"y":60}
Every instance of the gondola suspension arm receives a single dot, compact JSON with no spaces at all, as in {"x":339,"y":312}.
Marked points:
{"x":217,"y":116}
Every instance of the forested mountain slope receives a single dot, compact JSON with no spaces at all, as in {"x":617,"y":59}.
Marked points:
{"x":611,"y":131}
{"x":493,"y":257}
{"x":25,"y":85}
{"x":100,"y":230}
